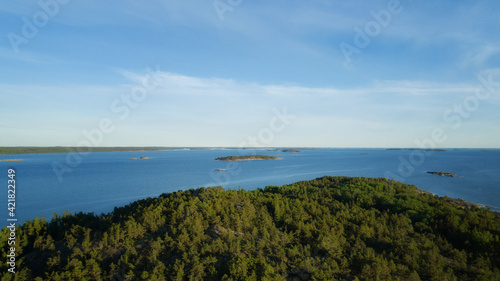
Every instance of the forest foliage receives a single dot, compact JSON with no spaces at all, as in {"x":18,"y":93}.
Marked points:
{"x":331,"y":228}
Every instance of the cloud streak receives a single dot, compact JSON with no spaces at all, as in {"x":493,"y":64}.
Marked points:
{"x":182,"y":108}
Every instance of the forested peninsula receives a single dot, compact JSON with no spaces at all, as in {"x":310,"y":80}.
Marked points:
{"x":67,"y":149}
{"x":331,"y":228}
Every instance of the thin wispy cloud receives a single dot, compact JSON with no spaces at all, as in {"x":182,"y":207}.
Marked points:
{"x":184,"y":103}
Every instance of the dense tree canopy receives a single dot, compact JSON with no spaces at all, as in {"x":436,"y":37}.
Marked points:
{"x":331,"y":228}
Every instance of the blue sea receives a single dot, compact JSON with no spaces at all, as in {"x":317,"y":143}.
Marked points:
{"x":98,"y":182}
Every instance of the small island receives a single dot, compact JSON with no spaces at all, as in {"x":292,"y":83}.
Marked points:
{"x":144,"y":157}
{"x":219,"y":170}
{"x":443,"y":174}
{"x":11,"y":160}
{"x":247,"y":158}
{"x":423,"y":149}
{"x":290,"y":150}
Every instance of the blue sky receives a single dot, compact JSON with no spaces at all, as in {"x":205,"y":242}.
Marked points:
{"x":222,"y":73}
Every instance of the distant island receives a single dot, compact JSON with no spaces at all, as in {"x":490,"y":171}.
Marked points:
{"x":291,"y":150}
{"x":11,"y":160}
{"x":424,"y":149}
{"x":443,"y":174}
{"x":66,"y":149}
{"x":219,"y":170}
{"x":247,"y":158}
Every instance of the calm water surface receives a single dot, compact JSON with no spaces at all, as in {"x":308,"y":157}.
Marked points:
{"x":108,"y":179}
